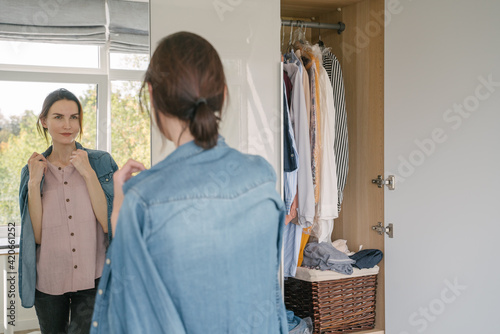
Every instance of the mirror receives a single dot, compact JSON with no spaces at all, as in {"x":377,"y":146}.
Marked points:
{"x":54,"y":47}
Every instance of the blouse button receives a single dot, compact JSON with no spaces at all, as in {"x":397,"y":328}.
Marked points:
{"x":72,"y":234}
{"x":70,"y":217}
{"x":108,"y":261}
{"x":74,"y":250}
{"x":100,"y":291}
{"x":65,"y":182}
{"x":95,"y":324}
{"x":67,"y":199}
{"x":75,"y":266}
{"x":59,"y":168}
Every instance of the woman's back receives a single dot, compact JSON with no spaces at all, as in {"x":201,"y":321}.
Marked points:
{"x":207,"y":224}
{"x":198,"y":237}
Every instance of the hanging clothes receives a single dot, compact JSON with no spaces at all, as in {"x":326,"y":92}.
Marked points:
{"x":292,"y":237}
{"x":315,"y":125}
{"x":327,"y":210}
{"x":307,"y":89}
{"x":298,"y":113}
{"x":316,"y":122}
{"x":288,"y":89}
{"x":341,"y":146}
{"x":290,"y":156}
{"x":293,"y":212}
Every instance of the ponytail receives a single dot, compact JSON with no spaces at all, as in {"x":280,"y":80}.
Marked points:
{"x":184,"y":67}
{"x":204,"y":125}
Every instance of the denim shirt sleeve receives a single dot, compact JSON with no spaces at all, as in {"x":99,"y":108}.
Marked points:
{"x":104,"y":166}
{"x":27,"y":247}
{"x":280,"y":306}
{"x":130,"y":276}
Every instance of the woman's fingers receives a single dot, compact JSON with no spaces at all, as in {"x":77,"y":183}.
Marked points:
{"x":130,"y":167}
{"x":36,"y":157}
{"x":134,"y":165}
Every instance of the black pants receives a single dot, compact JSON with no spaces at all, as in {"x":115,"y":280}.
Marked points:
{"x":70,"y":313}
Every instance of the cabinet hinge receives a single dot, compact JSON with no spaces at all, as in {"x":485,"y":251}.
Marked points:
{"x":390,"y":182}
{"x":380,"y":229}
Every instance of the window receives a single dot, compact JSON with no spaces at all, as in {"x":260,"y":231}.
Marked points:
{"x":107,"y":84}
{"x":126,"y":61}
{"x":130,"y":133}
{"x":48,"y":54}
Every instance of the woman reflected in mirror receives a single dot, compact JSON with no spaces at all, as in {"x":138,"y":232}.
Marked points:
{"x":66,"y":197}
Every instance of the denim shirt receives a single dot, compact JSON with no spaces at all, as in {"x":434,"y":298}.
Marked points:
{"x":104,"y":166}
{"x":196,"y":249}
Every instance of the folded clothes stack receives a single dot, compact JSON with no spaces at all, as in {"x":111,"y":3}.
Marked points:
{"x":325,"y":256}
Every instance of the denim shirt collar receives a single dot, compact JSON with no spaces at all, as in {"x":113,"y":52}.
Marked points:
{"x":182,"y":152}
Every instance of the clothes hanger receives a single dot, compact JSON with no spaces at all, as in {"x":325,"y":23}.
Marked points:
{"x":289,"y":48}
{"x":320,"y":42}
{"x":298,"y":43}
{"x":283,"y":35}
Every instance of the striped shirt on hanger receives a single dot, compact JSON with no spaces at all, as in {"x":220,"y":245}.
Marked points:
{"x":341,"y":146}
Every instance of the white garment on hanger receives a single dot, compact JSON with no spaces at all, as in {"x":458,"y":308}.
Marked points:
{"x":327,"y":206}
{"x":322,"y":230}
{"x":306,"y":207}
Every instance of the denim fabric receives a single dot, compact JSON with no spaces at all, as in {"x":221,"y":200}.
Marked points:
{"x":104,"y":166}
{"x":324,"y":256}
{"x":297,"y":325}
{"x":53,"y":311}
{"x":197,"y":248}
{"x":367,"y":258}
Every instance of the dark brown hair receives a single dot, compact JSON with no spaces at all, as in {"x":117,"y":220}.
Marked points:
{"x":57,"y":95}
{"x":188,"y":82}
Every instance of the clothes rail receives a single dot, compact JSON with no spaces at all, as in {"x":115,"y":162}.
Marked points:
{"x":339,"y":26}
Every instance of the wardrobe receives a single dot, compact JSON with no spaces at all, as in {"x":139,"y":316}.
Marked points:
{"x":360,"y":50}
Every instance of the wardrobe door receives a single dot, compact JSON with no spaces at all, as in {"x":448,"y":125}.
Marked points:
{"x":246,"y":35}
{"x":442,"y":136}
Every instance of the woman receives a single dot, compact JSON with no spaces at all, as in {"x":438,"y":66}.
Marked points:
{"x":198,"y":236}
{"x":66,"y":197}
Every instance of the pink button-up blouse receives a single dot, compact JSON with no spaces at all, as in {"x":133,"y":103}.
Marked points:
{"x":73,"y":244}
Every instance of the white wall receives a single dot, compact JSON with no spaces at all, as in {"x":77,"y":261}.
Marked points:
{"x":246,"y":35}
{"x":443,"y":144}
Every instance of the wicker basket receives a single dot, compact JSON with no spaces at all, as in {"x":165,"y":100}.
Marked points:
{"x":336,"y":306}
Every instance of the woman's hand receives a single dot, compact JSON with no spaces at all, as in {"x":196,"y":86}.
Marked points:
{"x":37,"y":165}
{"x":80,"y":160}
{"x":119,"y":178}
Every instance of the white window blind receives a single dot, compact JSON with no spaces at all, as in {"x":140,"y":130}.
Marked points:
{"x":78,"y":22}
